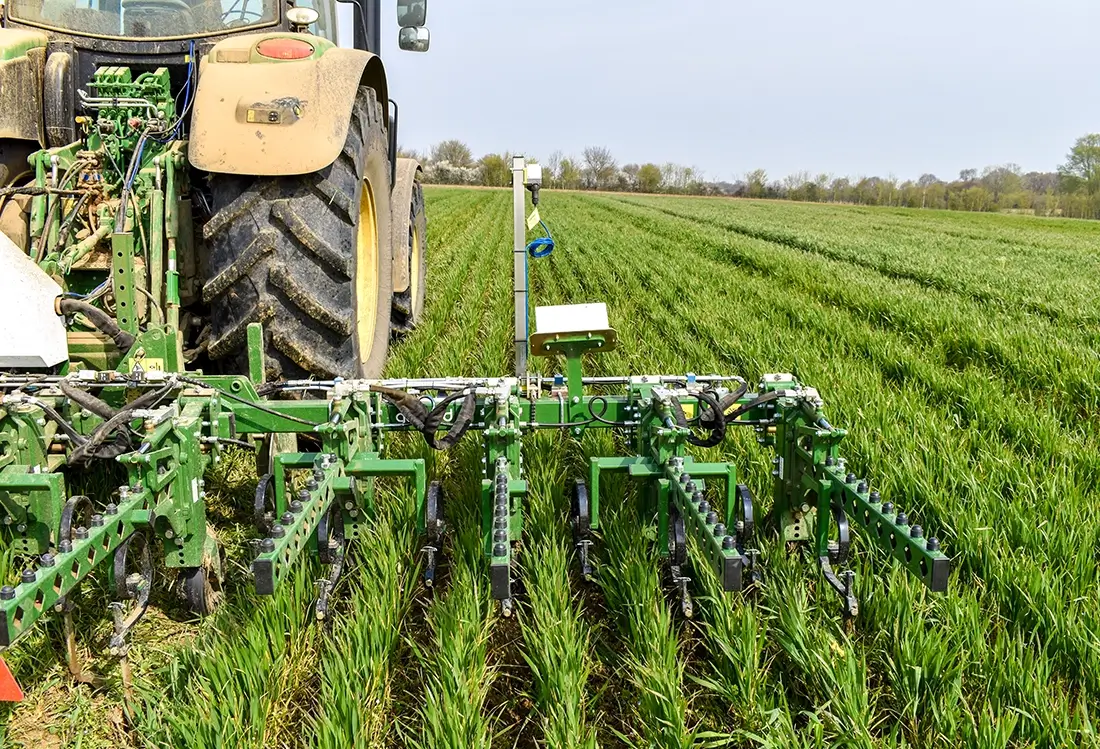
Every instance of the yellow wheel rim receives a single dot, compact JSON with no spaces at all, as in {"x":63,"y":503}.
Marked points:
{"x":414,"y":267}
{"x":366,"y":274}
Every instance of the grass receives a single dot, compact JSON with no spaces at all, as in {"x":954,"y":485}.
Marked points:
{"x":962,"y":352}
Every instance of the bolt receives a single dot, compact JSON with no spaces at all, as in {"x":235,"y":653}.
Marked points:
{"x":862,"y":488}
{"x":875,"y":498}
{"x":501,"y":523}
{"x":278,"y":532}
{"x":65,"y":546}
{"x":27,"y":576}
{"x":267,"y":545}
{"x":111,"y":509}
{"x":46,"y":559}
{"x":933,"y":544}
{"x":685,"y":478}
{"x":697,"y":497}
{"x":829,"y":460}
{"x":888,"y":508}
{"x":500,"y":537}
{"x":123,"y":492}
{"x":719,"y":530}
{"x":850,"y":478}
{"x":311,"y":484}
{"x":7,"y":593}
{"x":916,"y":532}
{"x":97,"y":521}
{"x":712,"y":518}
{"x":727,"y":543}
{"x":901,"y":519}
{"x":286,"y":519}
{"x":690,"y":487}
{"x":169,"y":533}
{"x":295,"y":507}
{"x":303,"y":496}
{"x":500,"y":550}
{"x":704,"y":507}
{"x":81,"y":533}
{"x":318,"y":475}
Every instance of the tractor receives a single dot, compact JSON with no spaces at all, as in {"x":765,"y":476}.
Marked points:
{"x":199,"y":165}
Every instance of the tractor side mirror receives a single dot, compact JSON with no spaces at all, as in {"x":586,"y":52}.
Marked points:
{"x":412,"y":13}
{"x":414,"y":39}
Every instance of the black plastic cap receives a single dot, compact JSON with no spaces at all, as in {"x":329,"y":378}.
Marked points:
{"x":7,"y":593}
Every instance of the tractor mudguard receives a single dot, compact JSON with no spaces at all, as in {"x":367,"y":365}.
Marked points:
{"x":264,"y":117}
{"x":22,"y":57}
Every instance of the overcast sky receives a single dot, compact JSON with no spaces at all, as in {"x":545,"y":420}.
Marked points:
{"x":857,"y":87}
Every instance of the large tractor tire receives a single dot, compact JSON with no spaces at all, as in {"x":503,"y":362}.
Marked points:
{"x":309,"y":257}
{"x":14,"y":169}
{"x":410,"y":246}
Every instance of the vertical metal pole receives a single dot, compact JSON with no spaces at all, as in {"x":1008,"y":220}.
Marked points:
{"x":519,"y":209}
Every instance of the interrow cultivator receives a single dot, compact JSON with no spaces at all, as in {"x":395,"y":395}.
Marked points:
{"x":165,"y":428}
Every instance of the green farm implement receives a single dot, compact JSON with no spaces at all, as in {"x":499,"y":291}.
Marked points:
{"x":191,"y":265}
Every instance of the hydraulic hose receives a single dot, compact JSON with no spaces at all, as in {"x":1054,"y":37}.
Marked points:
{"x":716,"y":426}
{"x":103,"y":322}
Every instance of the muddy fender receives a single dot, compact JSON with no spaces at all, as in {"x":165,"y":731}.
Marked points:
{"x":254,"y":115}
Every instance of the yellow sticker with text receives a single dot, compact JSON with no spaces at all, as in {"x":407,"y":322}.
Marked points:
{"x":533,"y":220}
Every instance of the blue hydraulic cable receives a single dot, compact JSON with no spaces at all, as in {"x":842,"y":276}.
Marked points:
{"x":542,"y":246}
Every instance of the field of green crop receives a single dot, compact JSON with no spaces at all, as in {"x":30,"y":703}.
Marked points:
{"x":961,"y":350}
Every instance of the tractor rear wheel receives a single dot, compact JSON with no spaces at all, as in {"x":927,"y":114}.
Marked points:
{"x":309,"y":257}
{"x":410,"y":245}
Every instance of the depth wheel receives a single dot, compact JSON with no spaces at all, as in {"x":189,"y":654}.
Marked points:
{"x":310,"y":257}
{"x":410,"y":246}
{"x":263,"y":505}
{"x":580,"y":516}
{"x":330,"y":534}
{"x":133,"y":570}
{"x":677,"y":539}
{"x":76,"y":513}
{"x":433,"y":513}
{"x":202,"y":586}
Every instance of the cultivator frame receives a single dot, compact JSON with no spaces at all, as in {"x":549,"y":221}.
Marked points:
{"x":814,"y":499}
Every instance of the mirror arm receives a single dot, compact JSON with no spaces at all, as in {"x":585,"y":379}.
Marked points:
{"x":361,"y":11}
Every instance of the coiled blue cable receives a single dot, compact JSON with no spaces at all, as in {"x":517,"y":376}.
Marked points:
{"x":542,"y":246}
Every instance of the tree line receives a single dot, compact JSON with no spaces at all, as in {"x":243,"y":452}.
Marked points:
{"x":1072,"y":190}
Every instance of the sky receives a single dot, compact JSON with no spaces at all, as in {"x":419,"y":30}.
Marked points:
{"x":850,"y":87}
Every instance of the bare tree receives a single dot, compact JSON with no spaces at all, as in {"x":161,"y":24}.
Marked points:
{"x":599,"y":167}
{"x":553,"y":168}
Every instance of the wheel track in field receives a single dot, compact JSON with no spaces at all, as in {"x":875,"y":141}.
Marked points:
{"x":1002,"y":595}
{"x":1056,"y":371}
